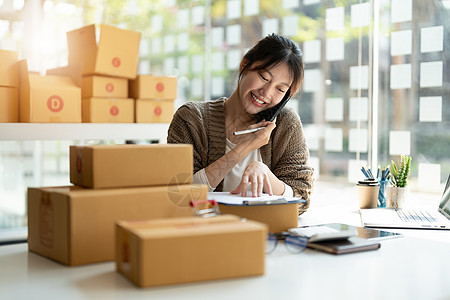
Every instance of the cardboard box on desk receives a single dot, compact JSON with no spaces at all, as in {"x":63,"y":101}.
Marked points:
{"x":104,"y":166}
{"x":51,"y":98}
{"x":104,"y":87}
{"x":154,"y":111}
{"x":107,"y":110}
{"x":179,"y":250}
{"x":116,"y":54}
{"x":153,"y":87}
{"x":75,"y":226}
{"x":9,"y":105}
{"x":9,"y":72}
{"x":279,"y":217}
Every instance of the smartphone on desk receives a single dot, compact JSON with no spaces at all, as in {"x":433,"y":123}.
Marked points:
{"x":271,"y":113}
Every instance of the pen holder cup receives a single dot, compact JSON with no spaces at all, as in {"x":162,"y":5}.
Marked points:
{"x":368,"y":193}
{"x":382,"y":193}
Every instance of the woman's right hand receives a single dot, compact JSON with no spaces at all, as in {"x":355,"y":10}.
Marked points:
{"x":257,"y":139}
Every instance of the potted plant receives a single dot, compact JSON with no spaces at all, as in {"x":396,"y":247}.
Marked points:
{"x":398,"y":178}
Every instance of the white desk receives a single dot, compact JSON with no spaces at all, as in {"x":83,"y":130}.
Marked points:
{"x":403,"y":268}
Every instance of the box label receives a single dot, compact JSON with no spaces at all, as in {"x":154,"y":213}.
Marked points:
{"x":55,"y":103}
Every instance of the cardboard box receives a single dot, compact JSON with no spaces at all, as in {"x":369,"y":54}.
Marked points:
{"x":153,"y":87}
{"x":104,"y":166}
{"x":9,"y":72}
{"x":108,"y":110}
{"x":116,"y":54}
{"x":75,"y":226}
{"x":51,"y":98}
{"x":279,"y":217}
{"x":9,"y":105}
{"x":104,"y":86}
{"x":154,"y":111}
{"x":180,"y":250}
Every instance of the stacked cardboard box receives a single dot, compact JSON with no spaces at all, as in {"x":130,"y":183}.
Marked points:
{"x":106,"y":69}
{"x":9,"y":83}
{"x":75,"y":224}
{"x":155,"y":98}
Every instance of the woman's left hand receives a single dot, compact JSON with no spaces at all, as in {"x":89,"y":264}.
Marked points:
{"x":256,"y":174}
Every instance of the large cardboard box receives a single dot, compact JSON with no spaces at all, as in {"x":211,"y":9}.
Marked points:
{"x":154,"y":111}
{"x":104,"y":166}
{"x":108,"y":110}
{"x":279,"y":217}
{"x":50,"y":98}
{"x":104,"y":86}
{"x":116,"y":53}
{"x":9,"y":73}
{"x":75,"y":226}
{"x":153,"y":87}
{"x":9,"y":105}
{"x":180,"y":250}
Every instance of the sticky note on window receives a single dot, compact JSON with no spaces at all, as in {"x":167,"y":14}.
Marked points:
{"x":309,"y":2}
{"x":198,"y":15}
{"x":359,"y":109}
{"x":197,"y":63}
{"x":401,"y":76}
{"x":289,"y":4}
{"x":144,"y":67}
{"x":312,"y":50}
{"x":157,"y":23}
{"x":270,"y":26}
{"x":156,"y":45}
{"x":333,"y":139}
{"x":335,"y":49}
{"x":359,"y":77}
{"x":429,"y":176}
{"x":217,"y":37}
{"x":233,"y":59}
{"x":432,"y":39}
{"x":217,"y":86}
{"x":183,"y":42}
{"x":401,"y":42}
{"x":182,"y":65}
{"x":334,"y":18}
{"x":251,"y":7}
{"x":183,"y":18}
{"x":360,"y":14}
{"x":358,"y":140}
{"x":401,"y":10}
{"x":234,"y":35}
{"x":312,"y":136}
{"x":334,"y":109}
{"x":218,"y":61}
{"x":169,"y":66}
{"x":399,"y":142}
{"x":430,"y":109}
{"x":290,"y":25}
{"x":312,"y":80}
{"x":197,"y":87}
{"x":233,"y":9}
{"x":169,"y":43}
{"x":431,"y":74}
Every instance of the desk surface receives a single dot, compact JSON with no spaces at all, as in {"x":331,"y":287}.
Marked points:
{"x":416,"y":266}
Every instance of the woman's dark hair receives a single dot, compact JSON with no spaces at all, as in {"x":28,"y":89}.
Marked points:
{"x":270,"y":52}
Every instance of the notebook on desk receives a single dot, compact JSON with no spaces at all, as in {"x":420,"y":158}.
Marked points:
{"x":406,"y":218}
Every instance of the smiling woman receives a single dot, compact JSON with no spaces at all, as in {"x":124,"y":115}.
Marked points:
{"x":274,"y":159}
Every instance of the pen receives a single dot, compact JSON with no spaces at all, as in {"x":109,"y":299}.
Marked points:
{"x":247,"y":131}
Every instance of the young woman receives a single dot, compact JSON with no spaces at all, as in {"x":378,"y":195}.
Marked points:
{"x":271,"y":160}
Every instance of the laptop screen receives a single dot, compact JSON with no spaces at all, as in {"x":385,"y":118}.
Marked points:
{"x":444,"y":207}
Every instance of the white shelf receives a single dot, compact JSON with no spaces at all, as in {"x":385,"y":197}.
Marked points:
{"x":83,"y":131}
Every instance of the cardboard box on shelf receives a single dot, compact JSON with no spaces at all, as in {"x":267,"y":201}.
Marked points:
{"x":50,"y":98}
{"x":75,"y":226}
{"x":153,"y":87}
{"x":104,"y":166}
{"x":116,"y":53}
{"x":180,"y":250}
{"x":104,"y":86}
{"x":9,"y":105}
{"x":108,"y":110}
{"x":279,"y":217}
{"x":9,"y":73}
{"x":154,"y":111}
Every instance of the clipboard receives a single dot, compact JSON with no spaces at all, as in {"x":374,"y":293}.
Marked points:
{"x":225,"y":198}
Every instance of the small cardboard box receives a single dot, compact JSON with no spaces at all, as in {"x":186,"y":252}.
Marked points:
{"x":179,"y":250}
{"x":153,"y":87}
{"x":104,"y":166}
{"x":108,"y":110}
{"x":279,"y":217}
{"x":104,"y":86}
{"x":51,"y":98}
{"x":75,"y":226}
{"x":116,"y":54}
{"x":154,"y":111}
{"x":9,"y":72}
{"x":9,"y":105}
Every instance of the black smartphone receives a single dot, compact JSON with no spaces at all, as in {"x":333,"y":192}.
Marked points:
{"x":271,"y":113}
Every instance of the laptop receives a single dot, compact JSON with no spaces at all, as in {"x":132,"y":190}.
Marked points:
{"x":410,"y":218}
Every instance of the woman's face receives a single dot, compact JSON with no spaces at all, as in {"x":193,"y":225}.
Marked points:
{"x":260,"y":90}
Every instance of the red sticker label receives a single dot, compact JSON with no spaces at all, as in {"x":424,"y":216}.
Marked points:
{"x":114,"y":110}
{"x":109,"y":87}
{"x":116,"y":62}
{"x":160,"y":86}
{"x":158,"y":110}
{"x":55,"y":103}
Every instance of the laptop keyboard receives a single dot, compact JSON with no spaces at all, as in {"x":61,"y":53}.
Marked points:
{"x":407,"y":215}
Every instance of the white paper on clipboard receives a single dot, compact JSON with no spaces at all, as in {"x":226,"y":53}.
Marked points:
{"x":236,"y":199}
